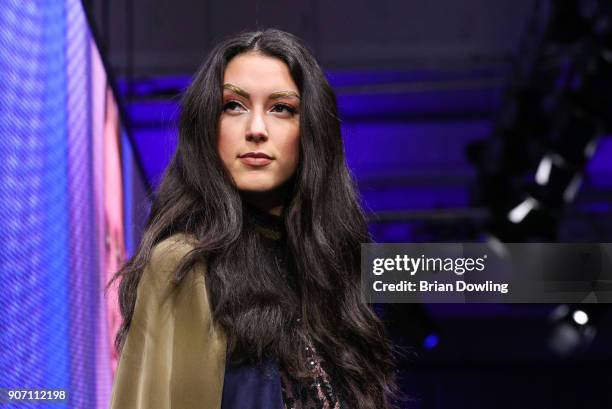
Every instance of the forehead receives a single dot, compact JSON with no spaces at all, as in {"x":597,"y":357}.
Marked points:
{"x":255,"y":73}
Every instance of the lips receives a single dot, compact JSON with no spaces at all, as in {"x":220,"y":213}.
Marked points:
{"x":256,"y":159}
{"x":255,"y":155}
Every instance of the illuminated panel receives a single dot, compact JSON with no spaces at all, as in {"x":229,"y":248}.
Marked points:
{"x":61,"y":209}
{"x":34,"y":256}
{"x":84,"y":283}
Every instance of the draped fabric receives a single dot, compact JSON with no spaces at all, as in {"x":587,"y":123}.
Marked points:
{"x":175,"y":356}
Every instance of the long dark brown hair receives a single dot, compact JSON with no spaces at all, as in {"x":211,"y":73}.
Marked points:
{"x":324,"y":226}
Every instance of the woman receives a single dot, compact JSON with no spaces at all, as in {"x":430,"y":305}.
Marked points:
{"x":244,"y":292}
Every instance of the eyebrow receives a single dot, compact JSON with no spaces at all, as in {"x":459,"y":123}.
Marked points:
{"x":274,"y":95}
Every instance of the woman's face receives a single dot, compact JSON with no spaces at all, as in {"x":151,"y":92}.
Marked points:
{"x":258,"y":136}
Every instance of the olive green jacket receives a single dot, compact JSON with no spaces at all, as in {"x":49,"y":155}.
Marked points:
{"x":173,"y":356}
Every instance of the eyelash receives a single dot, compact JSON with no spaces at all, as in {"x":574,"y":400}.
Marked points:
{"x":232,"y":104}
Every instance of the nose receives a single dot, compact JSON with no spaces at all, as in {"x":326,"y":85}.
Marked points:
{"x":256,"y":129}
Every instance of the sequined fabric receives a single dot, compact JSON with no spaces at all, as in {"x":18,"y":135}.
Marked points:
{"x":317,"y":394}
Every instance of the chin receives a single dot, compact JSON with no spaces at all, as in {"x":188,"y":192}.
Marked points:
{"x":257,"y":187}
{"x":260,"y":183}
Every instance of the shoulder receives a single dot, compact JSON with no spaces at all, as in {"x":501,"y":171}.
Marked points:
{"x":160,"y":295}
{"x":167,"y":254}
{"x":171,"y":250}
{"x":164,"y":261}
{"x":174,"y":354}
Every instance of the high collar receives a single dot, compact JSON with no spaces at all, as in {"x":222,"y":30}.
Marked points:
{"x":269,"y":225}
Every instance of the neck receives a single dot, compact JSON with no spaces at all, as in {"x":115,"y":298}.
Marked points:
{"x":267,"y":224}
{"x":268,"y":203}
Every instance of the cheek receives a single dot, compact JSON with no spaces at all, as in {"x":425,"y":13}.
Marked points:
{"x":291,"y":151}
{"x":226,"y":143}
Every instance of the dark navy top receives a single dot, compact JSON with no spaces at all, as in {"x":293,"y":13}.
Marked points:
{"x":265,"y":386}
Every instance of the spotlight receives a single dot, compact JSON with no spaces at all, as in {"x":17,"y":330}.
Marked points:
{"x":573,"y":327}
{"x":431,"y":341}
{"x":580,"y":317}
{"x":523,"y":218}
{"x":543,"y":173}
{"x":518,"y":213}
{"x":533,"y":165}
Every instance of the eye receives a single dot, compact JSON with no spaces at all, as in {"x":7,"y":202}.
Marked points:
{"x":233,"y":106}
{"x":283,"y":108}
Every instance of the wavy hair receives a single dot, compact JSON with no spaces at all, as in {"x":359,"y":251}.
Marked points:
{"x":324,"y":226}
